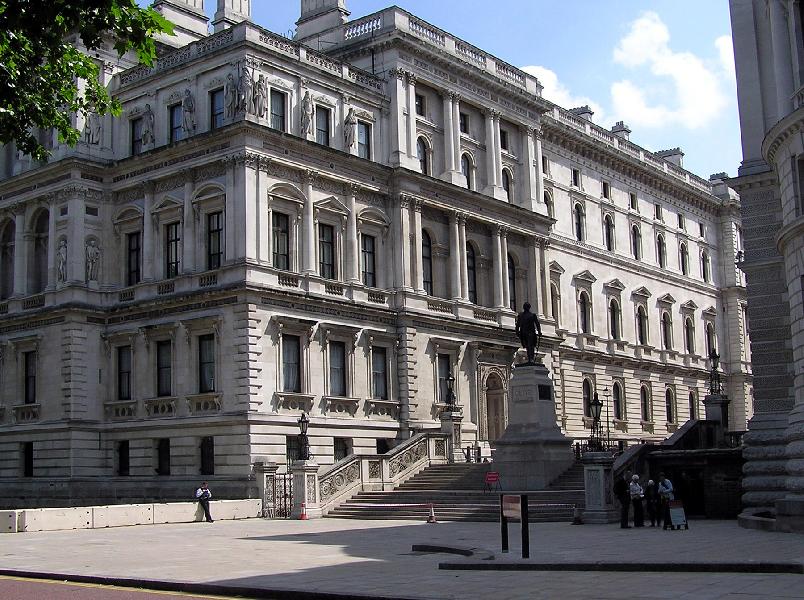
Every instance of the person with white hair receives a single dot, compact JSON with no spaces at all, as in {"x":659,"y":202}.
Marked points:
{"x":637,"y":493}
{"x":652,"y":503}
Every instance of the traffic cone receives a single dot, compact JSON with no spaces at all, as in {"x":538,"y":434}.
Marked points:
{"x":303,"y":515}
{"x":431,"y":518}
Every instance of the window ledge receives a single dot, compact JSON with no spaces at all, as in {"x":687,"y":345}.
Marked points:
{"x":383,"y":409}
{"x":161,"y":406}
{"x":621,"y":425}
{"x":293,"y":402}
{"x":647,"y":426}
{"x":671,"y":427}
{"x":204,"y":404}
{"x":121,"y":409}
{"x":341,"y":406}
{"x":26,"y":413}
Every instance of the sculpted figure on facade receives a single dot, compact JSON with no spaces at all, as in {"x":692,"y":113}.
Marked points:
{"x":529,"y":331}
{"x":188,"y":112}
{"x":92,"y":129}
{"x":148,"y":136}
{"x":246,"y":92}
{"x":350,"y":129}
{"x":261,"y":97}
{"x":93,"y":256}
{"x":307,"y":114}
{"x":61,"y":261}
{"x":230,"y":96}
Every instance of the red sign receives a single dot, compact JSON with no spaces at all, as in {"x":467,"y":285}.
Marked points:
{"x":512,"y":506}
{"x":492,"y":477}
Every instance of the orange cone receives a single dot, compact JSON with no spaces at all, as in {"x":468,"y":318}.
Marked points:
{"x":303,"y":515}
{"x":431,"y":518}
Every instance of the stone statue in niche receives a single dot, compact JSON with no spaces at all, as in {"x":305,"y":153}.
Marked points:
{"x":261,"y":97}
{"x":230,"y":96}
{"x":307,"y":114}
{"x":350,"y":129}
{"x":148,"y":126}
{"x":93,"y":256}
{"x":188,"y":113}
{"x":529,"y":332}
{"x":61,"y":261}
{"x":246,"y":92}
{"x":92,"y":129}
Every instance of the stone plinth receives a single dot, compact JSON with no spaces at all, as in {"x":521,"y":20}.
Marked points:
{"x":598,"y":486}
{"x":532,"y":452}
{"x":451,"y":424}
{"x":265,"y":474}
{"x":305,"y":489}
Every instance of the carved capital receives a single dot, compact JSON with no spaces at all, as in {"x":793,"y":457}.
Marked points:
{"x":417,"y":205}
{"x":353,"y":189}
{"x":310,"y":176}
{"x":411,"y":77}
{"x":398,"y":73}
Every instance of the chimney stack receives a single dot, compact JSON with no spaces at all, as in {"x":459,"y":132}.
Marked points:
{"x":189,"y":20}
{"x":319,"y":16}
{"x":585,"y":112}
{"x":621,"y":130}
{"x":673,"y":155}
{"x":230,"y":13}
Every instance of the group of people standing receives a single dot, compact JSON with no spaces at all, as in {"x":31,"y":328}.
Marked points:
{"x":656,"y":498}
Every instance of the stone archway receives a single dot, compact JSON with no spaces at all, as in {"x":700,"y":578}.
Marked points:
{"x":495,"y":408}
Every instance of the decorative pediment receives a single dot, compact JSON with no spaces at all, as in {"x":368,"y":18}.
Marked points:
{"x":332,"y":204}
{"x":666,"y":299}
{"x":690,"y":306}
{"x":615,"y":285}
{"x":168,"y":203}
{"x":208,"y":192}
{"x":286,"y":191}
{"x":128,"y":213}
{"x":374,"y":216}
{"x":556,"y":268}
{"x":641,"y":292}
{"x":585,"y":277}
{"x":710,"y":312}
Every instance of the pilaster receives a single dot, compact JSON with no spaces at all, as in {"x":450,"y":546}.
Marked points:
{"x":188,"y":220}
{"x":462,"y":257}
{"x":454,"y":257}
{"x":504,"y":263}
{"x":352,"y":250}
{"x":496,"y":256}
{"x":148,"y":233}
{"x":308,"y":225}
{"x":418,"y":261}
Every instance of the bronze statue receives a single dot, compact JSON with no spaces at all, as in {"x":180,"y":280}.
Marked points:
{"x":715,"y":384}
{"x":529,"y":332}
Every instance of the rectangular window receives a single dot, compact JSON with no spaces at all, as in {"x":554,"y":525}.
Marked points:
{"x":681,"y":223}
{"x":163,"y":456}
{"x":364,"y":140}
{"x":216,"y":109}
{"x":291,"y":363}
{"x":206,"y":363}
{"x":444,"y":371}
{"x":342,"y":448}
{"x":27,"y":459}
{"x":576,"y":178}
{"x":657,"y":212}
{"x":292,"y":448}
{"x":632,"y":201}
{"x":606,"y":190}
{"x":172,"y":239}
{"x":133,"y":258}
{"x":214,"y":240}
{"x":124,"y":373}
{"x":207,"y":449}
{"x":379,"y":373}
{"x":337,"y":369}
{"x":420,"y":106}
{"x":29,"y":363}
{"x":322,"y":121}
{"x":701,"y":229}
{"x":545,"y":165}
{"x":368,"y":260}
{"x":278,"y":103}
{"x":503,"y":139}
{"x":176,"y":118}
{"x":123,"y":458}
{"x":281,"y":234}
{"x":463,"y":123}
{"x":164,"y":368}
{"x":136,"y":136}
{"x":326,"y":251}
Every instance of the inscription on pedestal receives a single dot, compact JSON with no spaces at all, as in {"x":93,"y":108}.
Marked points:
{"x":522,"y":394}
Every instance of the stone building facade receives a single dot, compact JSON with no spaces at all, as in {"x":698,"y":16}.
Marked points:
{"x":769,"y":55}
{"x":270,"y":228}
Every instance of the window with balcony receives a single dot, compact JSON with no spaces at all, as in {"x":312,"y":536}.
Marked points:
{"x":368,"y":260}
{"x":291,"y":363}
{"x":164,"y":368}
{"x":172,"y":249}
{"x":326,"y":251}
{"x":206,"y":363}
{"x":214,"y":240}
{"x":281,"y":240}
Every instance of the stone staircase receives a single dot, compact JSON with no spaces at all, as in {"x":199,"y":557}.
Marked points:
{"x":456,"y":492}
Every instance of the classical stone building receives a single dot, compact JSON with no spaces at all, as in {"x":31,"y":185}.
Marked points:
{"x":769,"y":55}
{"x":338,"y":224}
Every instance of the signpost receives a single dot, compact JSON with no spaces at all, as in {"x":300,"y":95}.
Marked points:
{"x":515,"y":507}
{"x":678,"y":518}
{"x":492,"y":479}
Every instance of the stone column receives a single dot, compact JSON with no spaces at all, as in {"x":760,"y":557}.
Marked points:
{"x":504,"y":263}
{"x":449,"y":138}
{"x":309,"y":225}
{"x":451,"y":425}
{"x":305,"y":489}
{"x":496,"y":256}
{"x":538,"y":188}
{"x":399,"y":137}
{"x":20,"y":253}
{"x":188,"y":233}
{"x":403,"y":243}
{"x":454,"y":257}
{"x":352,"y":250}
{"x":52,"y":270}
{"x":269,"y":230}
{"x":76,"y":240}
{"x":411,"y":79}
{"x":491,"y":153}
{"x":418,"y":262}
{"x":543,"y":280}
{"x":148,"y":234}
{"x":456,"y":129}
{"x":782,"y":59}
{"x":231,"y":201}
{"x":265,"y":232}
{"x":251,"y":202}
{"x":497,"y":149}
{"x":533,"y":292}
{"x":462,"y":255}
{"x":526,"y":191}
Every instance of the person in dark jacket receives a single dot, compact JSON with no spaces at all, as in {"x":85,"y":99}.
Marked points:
{"x":652,"y":503}
{"x":623,"y":495}
{"x":203,"y":495}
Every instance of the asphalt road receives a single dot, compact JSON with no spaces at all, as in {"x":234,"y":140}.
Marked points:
{"x":15,"y":588}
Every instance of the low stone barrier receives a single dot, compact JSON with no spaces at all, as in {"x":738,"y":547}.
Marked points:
{"x":122,"y":515}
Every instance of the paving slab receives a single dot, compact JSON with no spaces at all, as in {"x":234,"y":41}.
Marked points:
{"x":375,"y":558}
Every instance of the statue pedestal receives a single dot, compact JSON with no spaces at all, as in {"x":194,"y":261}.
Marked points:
{"x":597,"y":483}
{"x":716,"y":408}
{"x":451,"y":424}
{"x":532,"y":452}
{"x":305,"y":489}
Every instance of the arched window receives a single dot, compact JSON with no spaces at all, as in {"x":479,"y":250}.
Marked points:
{"x":512,"y":304}
{"x":711,"y":341}
{"x":661,"y":255}
{"x":507,"y":184}
{"x":421,"y":153}
{"x":471,"y":273}
{"x":587,"y":398}
{"x":555,"y":302}
{"x":684,"y":259}
{"x":667,"y":331}
{"x":636,"y":242}
{"x":7,"y":259}
{"x":642,"y":326}
{"x":689,"y":335}
{"x":548,"y":200}
{"x":644,"y":402}
{"x":427,"y":263}
{"x":579,"y":222}
{"x":38,"y":272}
{"x":584,"y":312}
{"x":614,"y":319}
{"x":693,"y":406}
{"x":608,"y":232}
{"x":668,"y":406}
{"x":617,"y":399}
{"x":466,"y":169}
{"x":705,"y":266}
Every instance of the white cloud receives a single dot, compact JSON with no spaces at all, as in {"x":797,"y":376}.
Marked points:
{"x":557,"y":92}
{"x":697,"y":91}
{"x":725,"y":49}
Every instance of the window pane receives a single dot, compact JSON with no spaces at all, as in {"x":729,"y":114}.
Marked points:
{"x":124,"y":373}
{"x":277,"y":110}
{"x":427,"y":264}
{"x":322,"y":118}
{"x":163,"y":368}
{"x":444,"y":370}
{"x":291,"y":363}
{"x":207,"y":448}
{"x":281,"y":235}
{"x":214,"y":240}
{"x":379,"y":371}
{"x":337,"y":369}
{"x":363,"y":140}
{"x":136,"y":136}
{"x":206,"y":363}
{"x":471,"y":274}
{"x":172,"y":239}
{"x":216,"y":109}
{"x":176,"y":117}
{"x":133,"y":258}
{"x":368,"y":261}
{"x":326,"y":251}
{"x":30,"y":377}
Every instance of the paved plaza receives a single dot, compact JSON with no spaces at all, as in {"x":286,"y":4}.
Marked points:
{"x":374,"y":558}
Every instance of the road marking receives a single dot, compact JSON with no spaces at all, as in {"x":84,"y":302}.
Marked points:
{"x":113,"y":587}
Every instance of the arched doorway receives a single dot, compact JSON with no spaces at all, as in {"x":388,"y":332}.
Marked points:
{"x":495,"y":407}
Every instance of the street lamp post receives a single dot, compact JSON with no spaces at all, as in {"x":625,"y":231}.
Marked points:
{"x":304,"y":441}
{"x":608,"y":419}
{"x":450,"y":392}
{"x":596,"y":437}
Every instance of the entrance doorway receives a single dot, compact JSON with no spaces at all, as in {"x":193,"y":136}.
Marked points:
{"x":495,"y":407}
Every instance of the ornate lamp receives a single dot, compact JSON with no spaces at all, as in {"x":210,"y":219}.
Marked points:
{"x":304,"y":442}
{"x":450,"y":392}
{"x":596,"y":437}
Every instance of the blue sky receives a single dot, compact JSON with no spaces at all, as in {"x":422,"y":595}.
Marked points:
{"x":665,"y":68}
